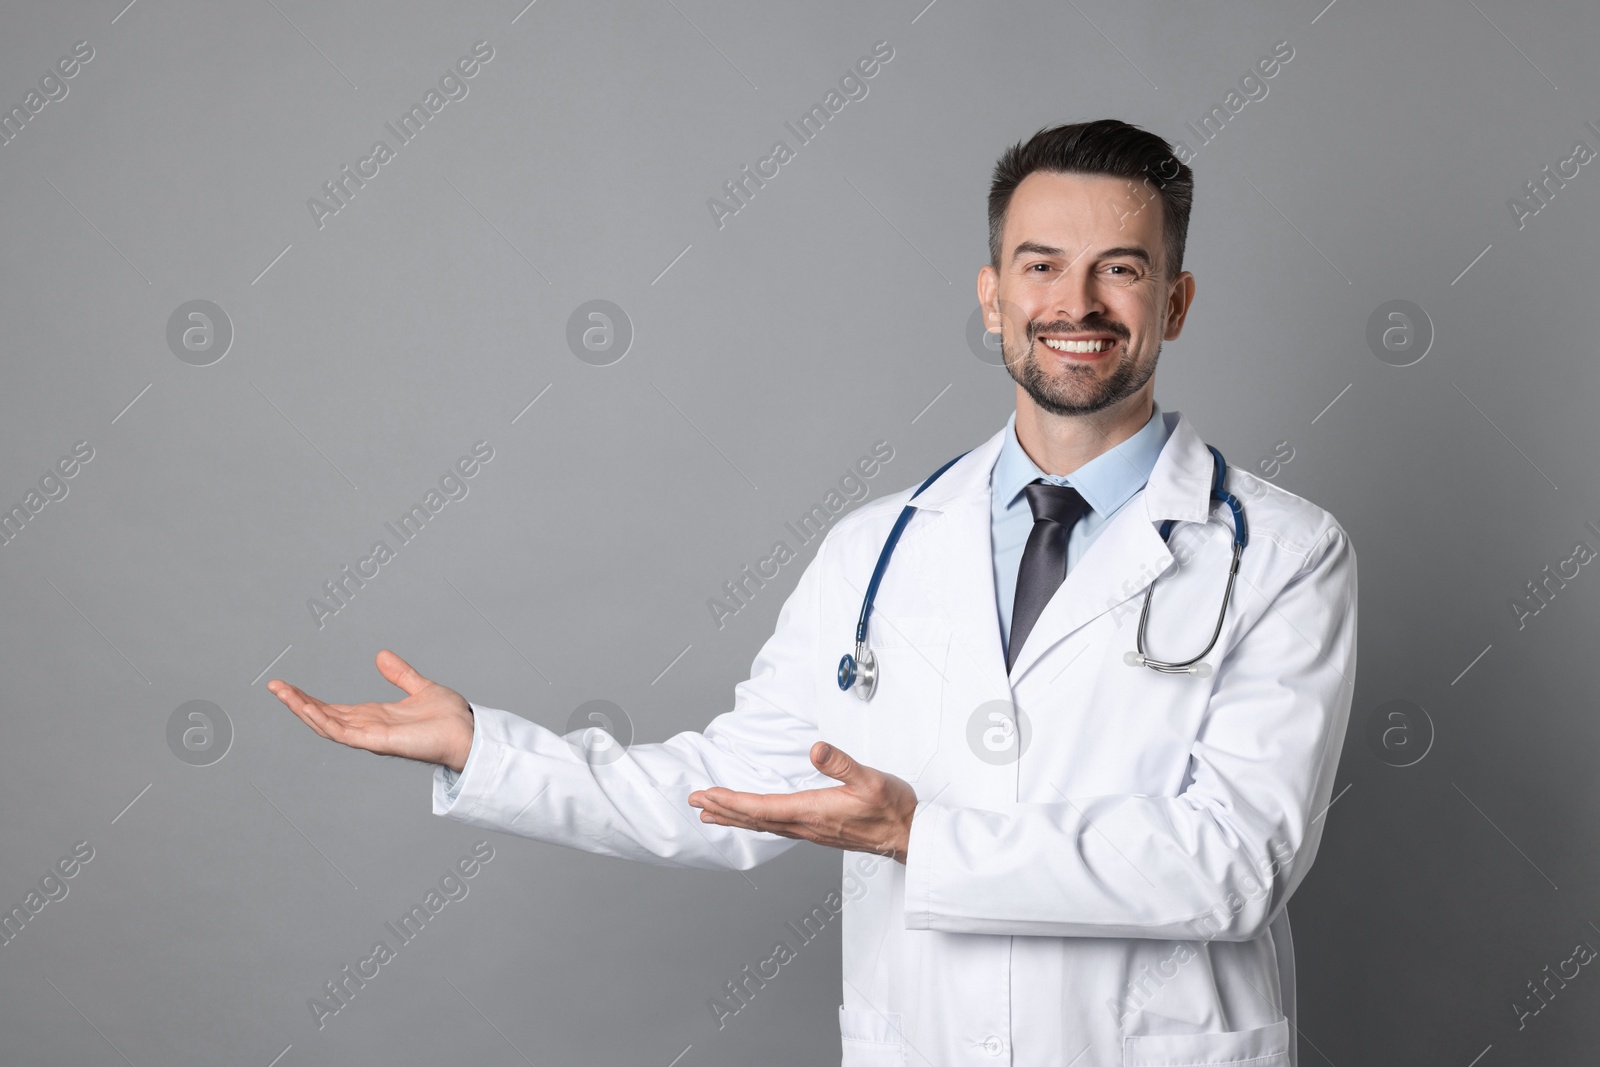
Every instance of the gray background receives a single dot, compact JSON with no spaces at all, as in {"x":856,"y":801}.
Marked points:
{"x":768,"y":355}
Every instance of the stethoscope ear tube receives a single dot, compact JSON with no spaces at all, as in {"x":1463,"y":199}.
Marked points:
{"x":1187,"y":666}
{"x":1241,"y":536}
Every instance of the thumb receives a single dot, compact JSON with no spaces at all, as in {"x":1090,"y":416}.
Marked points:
{"x":401,"y":673}
{"x":833,"y":762}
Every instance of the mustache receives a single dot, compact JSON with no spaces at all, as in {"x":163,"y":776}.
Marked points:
{"x":1116,"y":329}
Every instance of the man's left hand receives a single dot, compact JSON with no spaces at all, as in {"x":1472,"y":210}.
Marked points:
{"x":870,"y":812}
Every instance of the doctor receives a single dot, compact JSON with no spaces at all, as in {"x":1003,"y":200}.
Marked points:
{"x":1092,"y":857}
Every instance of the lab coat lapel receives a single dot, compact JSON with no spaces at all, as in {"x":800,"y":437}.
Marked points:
{"x":949,"y":548}
{"x":1128,"y":554}
{"x":1123,"y":559}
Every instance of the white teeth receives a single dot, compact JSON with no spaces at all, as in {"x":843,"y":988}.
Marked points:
{"x":1078,"y":346}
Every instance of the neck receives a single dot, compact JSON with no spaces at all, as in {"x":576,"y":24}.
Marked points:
{"x":1060,"y":444}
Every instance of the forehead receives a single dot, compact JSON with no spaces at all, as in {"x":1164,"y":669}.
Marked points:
{"x":1070,"y":210}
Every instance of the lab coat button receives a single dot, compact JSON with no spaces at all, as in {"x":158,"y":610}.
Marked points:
{"x":993,"y":1045}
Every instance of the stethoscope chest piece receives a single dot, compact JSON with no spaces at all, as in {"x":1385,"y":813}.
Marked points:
{"x":859,"y":672}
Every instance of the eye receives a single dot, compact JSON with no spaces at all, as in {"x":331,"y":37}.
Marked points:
{"x":1045,"y":266}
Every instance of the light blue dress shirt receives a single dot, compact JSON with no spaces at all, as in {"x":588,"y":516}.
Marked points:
{"x":1107,"y":482}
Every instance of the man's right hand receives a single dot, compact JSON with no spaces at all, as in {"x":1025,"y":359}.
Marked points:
{"x":432,"y":724}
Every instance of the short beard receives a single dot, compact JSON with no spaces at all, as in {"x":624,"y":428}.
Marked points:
{"x":1056,"y":396}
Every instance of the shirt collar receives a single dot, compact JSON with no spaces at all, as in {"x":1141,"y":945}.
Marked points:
{"x":1106,"y":482}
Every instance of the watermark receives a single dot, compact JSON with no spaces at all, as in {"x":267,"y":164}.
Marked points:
{"x":52,"y":487}
{"x":1272,"y":466}
{"x":1541,"y":591}
{"x":199,"y":332}
{"x":853,"y":86}
{"x":599,"y":332}
{"x":988,"y":345}
{"x":998,"y":732}
{"x":1252,"y":87}
{"x":199,"y":733}
{"x":452,"y":485}
{"x":599,"y":732}
{"x":1400,"y":733}
{"x":852,"y":487}
{"x":739,"y":992}
{"x":1269,"y":467}
{"x":53,"y":88}
{"x":52,"y":888}
{"x":1542,"y":190}
{"x":1540,"y":995}
{"x":339,"y":991}
{"x":1182,"y":546}
{"x":982,"y":341}
{"x":1399,"y":332}
{"x":341,"y":189}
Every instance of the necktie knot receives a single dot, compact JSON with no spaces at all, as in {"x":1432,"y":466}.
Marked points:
{"x":1061,"y":504}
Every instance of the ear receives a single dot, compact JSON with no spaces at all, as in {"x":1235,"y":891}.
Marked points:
{"x":989,"y":297}
{"x":1180,"y":297}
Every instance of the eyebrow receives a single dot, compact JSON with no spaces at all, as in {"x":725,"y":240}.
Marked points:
{"x":1037,"y":249}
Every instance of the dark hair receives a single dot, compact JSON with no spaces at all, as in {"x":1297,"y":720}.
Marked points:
{"x":1108,"y":147}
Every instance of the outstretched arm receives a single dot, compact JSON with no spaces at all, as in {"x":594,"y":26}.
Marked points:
{"x":519,"y":777}
{"x":432,"y":724}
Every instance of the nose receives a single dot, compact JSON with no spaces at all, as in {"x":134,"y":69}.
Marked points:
{"x":1075,"y":296}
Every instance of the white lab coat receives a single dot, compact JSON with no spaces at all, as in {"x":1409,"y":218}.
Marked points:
{"x":1114,"y":897}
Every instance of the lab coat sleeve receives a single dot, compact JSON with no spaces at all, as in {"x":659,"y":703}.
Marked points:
{"x":1218,"y":860}
{"x":451,"y":780}
{"x":521,"y":778}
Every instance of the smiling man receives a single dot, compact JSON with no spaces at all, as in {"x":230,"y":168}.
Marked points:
{"x":1097,"y":816}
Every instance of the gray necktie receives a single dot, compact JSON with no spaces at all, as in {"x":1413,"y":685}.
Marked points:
{"x":1056,"y":509}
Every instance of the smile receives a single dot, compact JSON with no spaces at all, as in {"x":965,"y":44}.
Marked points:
{"x":1091,"y":346}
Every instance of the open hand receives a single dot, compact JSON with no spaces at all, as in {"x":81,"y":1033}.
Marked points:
{"x":870,"y":812}
{"x":432,"y":724}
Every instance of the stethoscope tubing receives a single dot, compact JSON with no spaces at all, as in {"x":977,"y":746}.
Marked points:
{"x":858,"y":671}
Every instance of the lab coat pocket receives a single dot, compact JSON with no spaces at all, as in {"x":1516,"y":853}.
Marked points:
{"x":1265,"y":1046}
{"x":871,"y":1039}
{"x":904,"y":714}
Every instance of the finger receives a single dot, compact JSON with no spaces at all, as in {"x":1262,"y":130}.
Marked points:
{"x":796,"y":815}
{"x":305,"y":711}
{"x":768,"y":807}
{"x":711,"y":810}
{"x":401,"y":673}
{"x":298,"y":699}
{"x":321,"y":717}
{"x":799,"y":833}
{"x":293,"y":698}
{"x":835,"y":763}
{"x":809,"y":823}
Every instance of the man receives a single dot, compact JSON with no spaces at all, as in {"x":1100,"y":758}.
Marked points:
{"x":1090,"y":857}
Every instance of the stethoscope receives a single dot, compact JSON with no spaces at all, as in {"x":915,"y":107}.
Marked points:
{"x":859,"y":671}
